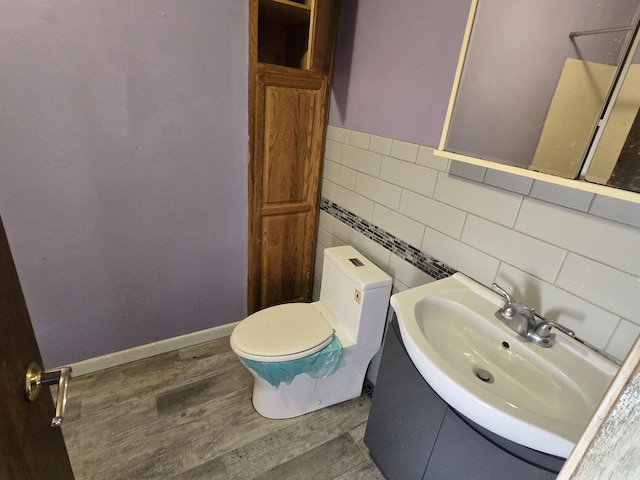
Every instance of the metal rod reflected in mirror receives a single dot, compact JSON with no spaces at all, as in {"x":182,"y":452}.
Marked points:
{"x":599,"y":31}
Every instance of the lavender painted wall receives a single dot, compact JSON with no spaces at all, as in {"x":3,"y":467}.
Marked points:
{"x":123,"y":151}
{"x":394,"y":66}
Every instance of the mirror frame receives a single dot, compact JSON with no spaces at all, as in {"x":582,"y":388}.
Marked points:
{"x":577,"y":184}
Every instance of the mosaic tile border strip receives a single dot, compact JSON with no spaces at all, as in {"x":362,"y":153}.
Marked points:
{"x":426,"y":263}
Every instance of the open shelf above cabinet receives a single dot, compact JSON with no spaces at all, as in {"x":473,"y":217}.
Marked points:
{"x":285,"y":12}
{"x":283,"y":33}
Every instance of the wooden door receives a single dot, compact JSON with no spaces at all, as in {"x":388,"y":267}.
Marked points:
{"x":284,"y":185}
{"x":30,"y":449}
{"x":322,"y":33}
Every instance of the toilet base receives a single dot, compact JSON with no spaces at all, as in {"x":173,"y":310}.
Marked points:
{"x":306,"y":394}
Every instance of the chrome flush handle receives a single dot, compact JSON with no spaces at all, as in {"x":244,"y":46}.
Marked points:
{"x":36,"y":378}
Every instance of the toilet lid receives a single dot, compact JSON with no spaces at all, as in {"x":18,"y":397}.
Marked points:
{"x":281,"y":333}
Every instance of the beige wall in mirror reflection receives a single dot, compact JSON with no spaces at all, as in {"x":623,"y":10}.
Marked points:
{"x":574,"y":112}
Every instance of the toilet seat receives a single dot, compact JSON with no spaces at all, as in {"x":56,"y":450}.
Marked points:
{"x":282,"y":333}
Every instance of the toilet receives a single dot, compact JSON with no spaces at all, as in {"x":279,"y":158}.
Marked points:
{"x":354,"y":298}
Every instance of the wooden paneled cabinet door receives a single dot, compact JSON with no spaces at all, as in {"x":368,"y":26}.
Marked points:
{"x":290,"y":117}
{"x":291,"y":46}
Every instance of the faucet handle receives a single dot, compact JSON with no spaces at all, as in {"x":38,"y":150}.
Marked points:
{"x":543,"y":329}
{"x":509,"y":309}
{"x":507,"y":296}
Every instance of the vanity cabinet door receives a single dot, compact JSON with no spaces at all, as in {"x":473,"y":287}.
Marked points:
{"x":405,"y":417}
{"x":459,"y":451}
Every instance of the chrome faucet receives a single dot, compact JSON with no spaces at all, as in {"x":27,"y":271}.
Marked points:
{"x":517,"y":316}
{"x":522,"y":319}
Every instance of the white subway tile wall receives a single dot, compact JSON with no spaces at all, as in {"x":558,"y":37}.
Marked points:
{"x":427,"y":158}
{"x":439,"y":215}
{"x":382,"y":192}
{"x":530,"y":255}
{"x":568,"y":197}
{"x":508,"y":181}
{"x":492,"y":203}
{"x":474,"y":263}
{"x":404,"y":151}
{"x":380,"y":145}
{"x":574,"y":256}
{"x":408,"y":175}
{"x":594,"y":237}
{"x":361,"y":206}
{"x":402,"y":227}
{"x":360,"y":160}
{"x":615,"y":209}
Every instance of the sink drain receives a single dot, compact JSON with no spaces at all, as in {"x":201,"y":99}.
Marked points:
{"x":483,"y":375}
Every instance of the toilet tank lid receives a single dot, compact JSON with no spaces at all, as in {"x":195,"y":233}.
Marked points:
{"x":362,"y":271}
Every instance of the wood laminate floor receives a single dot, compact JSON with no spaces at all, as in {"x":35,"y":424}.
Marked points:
{"x":187,"y":414}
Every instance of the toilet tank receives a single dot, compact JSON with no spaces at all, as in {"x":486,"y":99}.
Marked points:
{"x":356,"y":292}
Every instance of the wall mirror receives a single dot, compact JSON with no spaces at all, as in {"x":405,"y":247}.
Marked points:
{"x":536,"y":83}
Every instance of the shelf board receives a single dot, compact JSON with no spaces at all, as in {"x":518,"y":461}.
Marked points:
{"x":284,"y":12}
{"x":583,"y":185}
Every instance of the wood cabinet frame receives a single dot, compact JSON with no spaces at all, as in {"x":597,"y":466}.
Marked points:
{"x":286,"y":105}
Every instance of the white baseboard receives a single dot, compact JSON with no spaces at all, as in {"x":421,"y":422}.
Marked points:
{"x":150,"y":349}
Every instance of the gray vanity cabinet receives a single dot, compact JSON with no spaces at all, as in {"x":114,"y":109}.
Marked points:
{"x":412,"y":434}
{"x":405,"y":417}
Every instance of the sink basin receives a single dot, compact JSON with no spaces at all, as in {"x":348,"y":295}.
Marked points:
{"x":541,"y":398}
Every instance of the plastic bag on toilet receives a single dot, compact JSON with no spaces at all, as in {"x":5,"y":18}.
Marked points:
{"x":321,"y":364}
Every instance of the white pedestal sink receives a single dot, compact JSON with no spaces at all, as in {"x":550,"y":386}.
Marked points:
{"x":541,"y":398}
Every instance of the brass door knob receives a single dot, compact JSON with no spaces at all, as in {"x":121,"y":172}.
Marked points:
{"x":36,"y":378}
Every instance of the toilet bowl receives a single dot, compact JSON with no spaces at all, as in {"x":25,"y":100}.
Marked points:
{"x":297,"y":341}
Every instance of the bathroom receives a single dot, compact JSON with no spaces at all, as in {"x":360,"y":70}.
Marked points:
{"x":147,"y":242}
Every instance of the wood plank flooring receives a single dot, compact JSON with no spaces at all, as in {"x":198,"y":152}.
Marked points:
{"x":187,"y":414}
